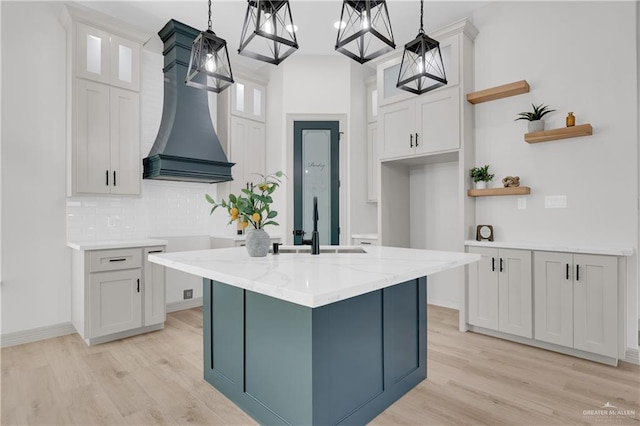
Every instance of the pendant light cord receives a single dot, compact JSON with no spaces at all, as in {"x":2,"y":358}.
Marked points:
{"x":421,"y":14}
{"x":209,"y":15}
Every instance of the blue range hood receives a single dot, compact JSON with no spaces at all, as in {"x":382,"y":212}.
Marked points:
{"x":187,"y":147}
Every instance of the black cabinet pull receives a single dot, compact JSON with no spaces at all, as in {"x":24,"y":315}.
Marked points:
{"x":577,"y":272}
{"x":138,"y":285}
{"x":156,"y":251}
{"x":366,"y":243}
{"x":501,"y":269}
{"x":493,"y":264}
{"x":114,"y":178}
{"x":416,"y":139}
{"x":117,"y":260}
{"x":106,"y":173}
{"x":567,"y":271}
{"x":411,"y":141}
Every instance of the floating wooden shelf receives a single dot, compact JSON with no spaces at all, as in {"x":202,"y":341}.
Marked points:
{"x":512,"y":190}
{"x":561,"y":133}
{"x":498,"y":92}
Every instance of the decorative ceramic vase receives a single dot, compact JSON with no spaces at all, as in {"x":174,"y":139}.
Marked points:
{"x":536,"y":126}
{"x":257,"y":243}
{"x":481,"y":184}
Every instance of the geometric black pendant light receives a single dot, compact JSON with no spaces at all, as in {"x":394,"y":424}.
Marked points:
{"x":422,"y":68}
{"x":209,"y":66}
{"x":364,"y":30}
{"x":268,"y":33}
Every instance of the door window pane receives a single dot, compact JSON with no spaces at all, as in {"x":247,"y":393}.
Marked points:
{"x":316,"y":181}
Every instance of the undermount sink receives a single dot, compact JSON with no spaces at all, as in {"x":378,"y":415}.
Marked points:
{"x":329,"y":250}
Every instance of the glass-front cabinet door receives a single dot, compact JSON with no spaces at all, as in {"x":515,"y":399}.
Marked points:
{"x":93,"y":54}
{"x":107,"y":58}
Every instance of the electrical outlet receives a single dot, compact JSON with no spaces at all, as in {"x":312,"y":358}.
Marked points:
{"x":555,"y":202}
{"x":188,"y":294}
{"x":522,"y":203}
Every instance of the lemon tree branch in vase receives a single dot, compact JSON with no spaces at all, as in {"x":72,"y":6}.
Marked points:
{"x":253,"y":207}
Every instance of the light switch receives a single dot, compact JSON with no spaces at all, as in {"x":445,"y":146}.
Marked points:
{"x":522,"y":203}
{"x":555,"y":202}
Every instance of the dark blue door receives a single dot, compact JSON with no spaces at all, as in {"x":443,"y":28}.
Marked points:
{"x":316,"y":171}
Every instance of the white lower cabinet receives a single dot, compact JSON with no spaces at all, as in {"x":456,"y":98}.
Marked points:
{"x":117,"y":293}
{"x":500,"y":291}
{"x":576,"y":301}
{"x":115,"y":301}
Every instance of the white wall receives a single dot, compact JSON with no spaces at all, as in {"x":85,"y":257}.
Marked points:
{"x":580,"y":57}
{"x":35,"y":211}
{"x":35,"y":260}
{"x":433,"y":223}
{"x":320,"y":85}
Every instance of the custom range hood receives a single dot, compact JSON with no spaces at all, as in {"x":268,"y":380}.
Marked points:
{"x":187,"y":147}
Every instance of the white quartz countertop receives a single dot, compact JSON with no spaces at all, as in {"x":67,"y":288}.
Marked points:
{"x":114,"y":244}
{"x":611,"y":250}
{"x":310,"y":280}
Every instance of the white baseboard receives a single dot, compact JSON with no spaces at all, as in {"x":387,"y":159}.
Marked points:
{"x":184,"y":304}
{"x":444,"y":303}
{"x":632,"y":356}
{"x":35,"y":334}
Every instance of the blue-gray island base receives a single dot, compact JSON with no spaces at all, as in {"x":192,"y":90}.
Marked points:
{"x":341,"y":363}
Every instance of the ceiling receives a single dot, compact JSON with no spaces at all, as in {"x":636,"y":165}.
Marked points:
{"x":316,"y":34}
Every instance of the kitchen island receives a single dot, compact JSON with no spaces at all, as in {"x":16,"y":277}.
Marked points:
{"x":329,"y":339}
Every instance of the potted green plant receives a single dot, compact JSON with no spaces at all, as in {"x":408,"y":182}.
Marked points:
{"x":253,"y":207}
{"x":481,"y":176}
{"x":536,"y":124}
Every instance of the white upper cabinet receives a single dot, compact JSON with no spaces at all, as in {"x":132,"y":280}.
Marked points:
{"x":432,"y":123}
{"x":388,"y":71}
{"x":241,"y":128}
{"x":427,"y":124}
{"x":103,"y":138}
{"x":93,"y":54}
{"x":248,"y":100}
{"x":125,"y":63}
{"x":125,"y":142}
{"x":107,"y":58}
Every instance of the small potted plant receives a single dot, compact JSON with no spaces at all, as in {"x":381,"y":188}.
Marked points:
{"x":481,"y":176}
{"x":253,"y":207}
{"x":536,"y":124}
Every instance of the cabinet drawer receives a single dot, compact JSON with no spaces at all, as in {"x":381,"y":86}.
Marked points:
{"x":364,"y":242}
{"x":113,"y":260}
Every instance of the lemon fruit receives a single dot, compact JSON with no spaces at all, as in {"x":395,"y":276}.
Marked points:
{"x":256,"y":217}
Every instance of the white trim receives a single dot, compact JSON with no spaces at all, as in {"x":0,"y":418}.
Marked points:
{"x":632,"y":356}
{"x":181,"y":305}
{"x":345,"y":225}
{"x":444,"y":303}
{"x":36,"y":334}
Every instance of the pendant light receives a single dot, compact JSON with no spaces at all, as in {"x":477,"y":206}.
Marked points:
{"x":422,"y":68}
{"x":209,"y":66}
{"x":268,"y":33}
{"x":364,"y":30}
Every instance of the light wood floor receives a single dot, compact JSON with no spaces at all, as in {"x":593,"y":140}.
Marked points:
{"x":156,"y":378}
